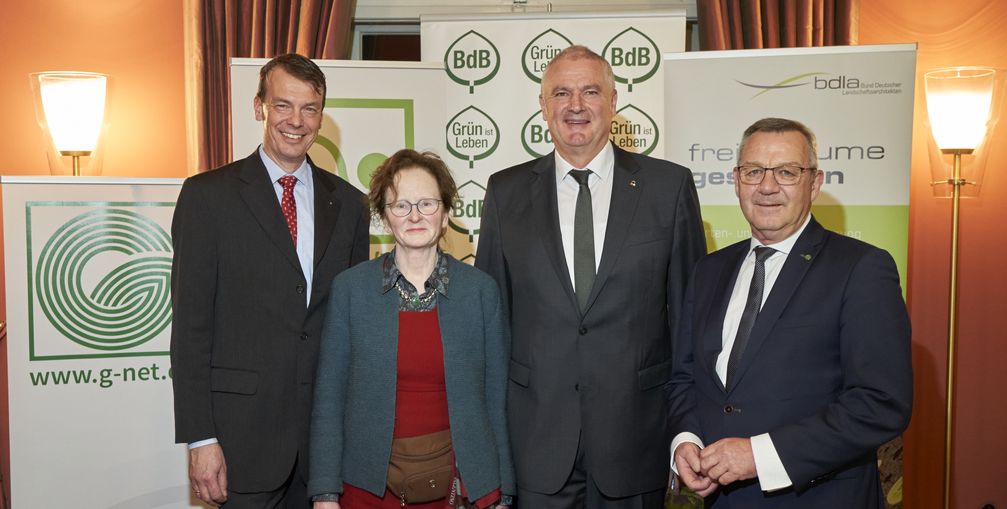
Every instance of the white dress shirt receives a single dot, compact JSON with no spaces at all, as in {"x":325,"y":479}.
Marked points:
{"x":304,"y":197}
{"x":567,"y":189}
{"x":768,"y":466}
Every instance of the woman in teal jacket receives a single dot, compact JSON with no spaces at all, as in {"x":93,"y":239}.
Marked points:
{"x":415,"y":342}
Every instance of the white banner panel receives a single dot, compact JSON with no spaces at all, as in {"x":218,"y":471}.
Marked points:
{"x":857,"y":99}
{"x":88,"y":263}
{"x":372,"y":109}
{"x":494,"y":66}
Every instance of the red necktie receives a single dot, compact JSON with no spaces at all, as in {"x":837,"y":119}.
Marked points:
{"x":288,"y":205}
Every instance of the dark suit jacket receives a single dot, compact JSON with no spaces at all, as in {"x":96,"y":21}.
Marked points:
{"x":243,"y":344}
{"x":827,"y":370}
{"x":595,"y":377}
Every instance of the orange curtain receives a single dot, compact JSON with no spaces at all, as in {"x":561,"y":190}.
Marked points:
{"x":218,"y":30}
{"x":747,"y":24}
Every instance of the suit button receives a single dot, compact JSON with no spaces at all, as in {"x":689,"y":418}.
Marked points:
{"x":576,"y":387}
{"x":728,"y":409}
{"x":583,"y":331}
{"x":304,"y":337}
{"x":300,"y":288}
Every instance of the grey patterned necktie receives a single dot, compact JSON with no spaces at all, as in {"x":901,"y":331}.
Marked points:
{"x":751,"y":311}
{"x":583,"y":239}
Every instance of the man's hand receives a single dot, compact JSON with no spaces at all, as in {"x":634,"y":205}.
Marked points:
{"x":325,"y":505}
{"x":208,"y":474}
{"x":728,"y":460}
{"x":689,"y":465}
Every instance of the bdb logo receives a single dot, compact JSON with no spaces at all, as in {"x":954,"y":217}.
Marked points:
{"x":100,"y":284}
{"x":467,"y":211}
{"x":635,"y":57}
{"x":634,"y":130}
{"x":540,"y":51}
{"x":472,"y":60}
{"x":472,"y":135}
{"x":535,"y":136}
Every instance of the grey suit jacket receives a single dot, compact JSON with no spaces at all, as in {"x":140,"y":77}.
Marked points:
{"x":593,"y":378}
{"x":354,"y":412}
{"x":243,"y":344}
{"x":827,"y":370}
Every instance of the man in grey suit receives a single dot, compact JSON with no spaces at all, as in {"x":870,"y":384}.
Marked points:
{"x":257,"y":243}
{"x":793,"y":363}
{"x":592,"y":248}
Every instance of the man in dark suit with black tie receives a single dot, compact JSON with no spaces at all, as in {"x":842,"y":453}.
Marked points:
{"x":257,"y":243}
{"x":793,"y":362}
{"x":592,"y":248}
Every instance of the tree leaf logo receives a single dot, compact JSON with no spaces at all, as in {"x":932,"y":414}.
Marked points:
{"x":634,"y":130}
{"x":535,"y":136}
{"x":467,"y":212}
{"x":635,"y":58}
{"x":471,"y":60}
{"x":472,"y":135}
{"x":540,"y":51}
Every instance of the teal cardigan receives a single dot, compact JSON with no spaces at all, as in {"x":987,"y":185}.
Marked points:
{"x":354,"y":409}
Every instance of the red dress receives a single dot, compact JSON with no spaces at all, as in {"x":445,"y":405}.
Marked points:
{"x":421,"y":400}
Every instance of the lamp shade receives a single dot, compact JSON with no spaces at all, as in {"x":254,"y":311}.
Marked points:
{"x":73,"y":104}
{"x":958,"y":104}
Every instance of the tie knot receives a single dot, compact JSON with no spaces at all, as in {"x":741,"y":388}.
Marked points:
{"x":580,"y":176}
{"x":762,"y":253}
{"x":288,"y":182}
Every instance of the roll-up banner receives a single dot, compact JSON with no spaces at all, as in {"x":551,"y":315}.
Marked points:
{"x":372,"y":109}
{"x":857,"y":99}
{"x":88,"y":263}
{"x":494,"y":64}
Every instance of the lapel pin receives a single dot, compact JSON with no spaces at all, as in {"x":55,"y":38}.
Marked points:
{"x":632,"y":183}
{"x":806,"y":257}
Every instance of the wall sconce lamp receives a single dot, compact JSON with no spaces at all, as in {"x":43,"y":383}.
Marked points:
{"x":70,"y":108}
{"x":959,"y":106}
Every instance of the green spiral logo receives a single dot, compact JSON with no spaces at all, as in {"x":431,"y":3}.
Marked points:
{"x":128,"y":305}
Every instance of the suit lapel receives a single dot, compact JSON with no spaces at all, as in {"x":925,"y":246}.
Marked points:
{"x":798,"y":262}
{"x":326,"y":211}
{"x":545,"y":214}
{"x":713,"y":334}
{"x":259,"y":196}
{"x":625,"y":198}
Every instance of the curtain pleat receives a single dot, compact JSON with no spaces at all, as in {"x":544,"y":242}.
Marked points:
{"x":746,"y":24}
{"x":226,"y":29}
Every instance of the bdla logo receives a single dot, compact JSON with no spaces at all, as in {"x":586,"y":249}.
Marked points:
{"x":635,"y":57}
{"x":540,"y":51}
{"x":472,"y":60}
{"x":472,"y":135}
{"x":634,"y":130}
{"x":102,"y":281}
{"x":535,"y":136}
{"x":467,"y":210}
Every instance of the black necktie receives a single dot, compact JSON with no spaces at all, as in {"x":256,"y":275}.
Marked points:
{"x":583,"y":239}
{"x":752,"y":307}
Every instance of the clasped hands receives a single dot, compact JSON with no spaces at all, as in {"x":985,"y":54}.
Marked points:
{"x":719,"y":464}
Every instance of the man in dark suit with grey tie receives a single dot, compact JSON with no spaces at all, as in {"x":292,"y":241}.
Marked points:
{"x":592,"y":248}
{"x":793,"y":363}
{"x":257,"y":243}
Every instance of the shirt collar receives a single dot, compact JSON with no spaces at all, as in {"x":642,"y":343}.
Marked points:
{"x":601,"y":165}
{"x":303,"y":172}
{"x":437,"y":280}
{"x":786,"y":245}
